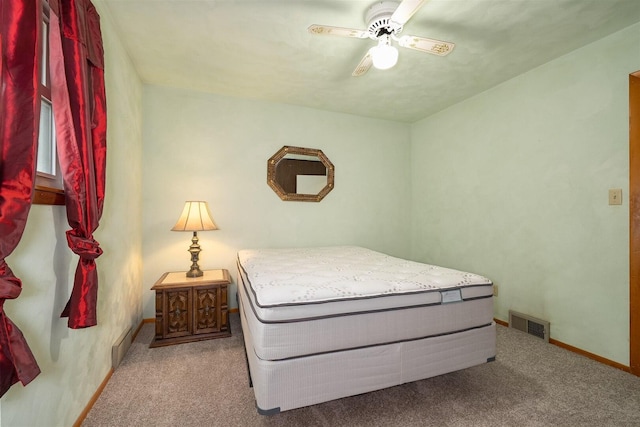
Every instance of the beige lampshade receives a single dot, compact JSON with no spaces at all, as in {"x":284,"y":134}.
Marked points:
{"x":195,"y":217}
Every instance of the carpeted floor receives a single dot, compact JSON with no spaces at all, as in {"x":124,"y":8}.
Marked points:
{"x":530,"y":384}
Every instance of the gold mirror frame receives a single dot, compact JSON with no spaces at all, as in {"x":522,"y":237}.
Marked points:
{"x":275,"y":160}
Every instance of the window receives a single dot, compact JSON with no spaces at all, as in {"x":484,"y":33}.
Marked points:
{"x":49,"y":189}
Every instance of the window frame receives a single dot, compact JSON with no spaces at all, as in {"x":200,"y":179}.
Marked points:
{"x":48,"y":187}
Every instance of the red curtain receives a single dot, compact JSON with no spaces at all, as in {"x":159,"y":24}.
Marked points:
{"x":19,"y":118}
{"x":79,"y":103}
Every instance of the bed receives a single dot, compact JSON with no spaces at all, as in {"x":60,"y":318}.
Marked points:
{"x":330,"y":322}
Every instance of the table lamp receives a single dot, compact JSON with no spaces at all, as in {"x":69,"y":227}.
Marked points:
{"x":195,"y":217}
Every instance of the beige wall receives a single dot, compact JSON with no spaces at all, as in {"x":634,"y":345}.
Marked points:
{"x":75,"y":362}
{"x":207,"y":147}
{"x":513,"y":184}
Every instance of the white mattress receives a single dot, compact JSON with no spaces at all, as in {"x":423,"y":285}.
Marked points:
{"x":302,"y":283}
{"x":325,"y":323}
{"x":318,"y":300}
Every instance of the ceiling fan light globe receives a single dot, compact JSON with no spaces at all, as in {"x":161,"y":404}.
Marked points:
{"x":384,"y":56}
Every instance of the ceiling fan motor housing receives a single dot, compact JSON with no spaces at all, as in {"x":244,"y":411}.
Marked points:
{"x":378,"y":18}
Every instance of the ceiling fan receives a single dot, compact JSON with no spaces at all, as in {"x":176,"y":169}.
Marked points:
{"x":385,"y":20}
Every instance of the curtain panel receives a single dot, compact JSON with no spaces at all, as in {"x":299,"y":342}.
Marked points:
{"x":77,"y":77}
{"x":79,"y":104}
{"x":19,"y":119}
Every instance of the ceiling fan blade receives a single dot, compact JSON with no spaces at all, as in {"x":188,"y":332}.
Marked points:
{"x":405,"y":11}
{"x":338,"y":31}
{"x":435,"y":47}
{"x":363,"y":66}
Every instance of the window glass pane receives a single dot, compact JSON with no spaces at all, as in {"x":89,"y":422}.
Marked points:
{"x":44,"y":65}
{"x":46,"y":141}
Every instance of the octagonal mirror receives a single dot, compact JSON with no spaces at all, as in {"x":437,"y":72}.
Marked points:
{"x":300,"y":174}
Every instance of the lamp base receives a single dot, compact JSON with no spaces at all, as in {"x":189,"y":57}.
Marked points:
{"x":194,"y":250}
{"x":195,"y":272}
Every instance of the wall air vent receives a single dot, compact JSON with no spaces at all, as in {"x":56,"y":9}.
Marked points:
{"x":531,"y":325}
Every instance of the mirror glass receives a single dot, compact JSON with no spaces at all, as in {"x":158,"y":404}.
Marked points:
{"x":300,"y":174}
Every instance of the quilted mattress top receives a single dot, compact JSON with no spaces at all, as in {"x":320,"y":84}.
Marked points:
{"x":299,"y":276}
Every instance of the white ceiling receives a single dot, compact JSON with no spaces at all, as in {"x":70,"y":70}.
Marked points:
{"x":262,"y":50}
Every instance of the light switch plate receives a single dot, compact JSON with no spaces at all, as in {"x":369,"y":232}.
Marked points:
{"x":615,"y":196}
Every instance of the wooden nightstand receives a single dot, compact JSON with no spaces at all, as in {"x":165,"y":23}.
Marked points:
{"x":191,"y":309}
